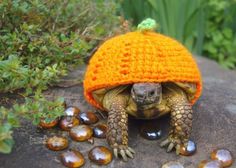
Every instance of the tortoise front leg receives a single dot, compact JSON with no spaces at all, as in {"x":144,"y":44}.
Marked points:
{"x":181,"y":125}
{"x":117,"y":134}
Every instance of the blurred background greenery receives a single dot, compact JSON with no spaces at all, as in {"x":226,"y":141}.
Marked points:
{"x":207,"y":28}
{"x":40,"y":41}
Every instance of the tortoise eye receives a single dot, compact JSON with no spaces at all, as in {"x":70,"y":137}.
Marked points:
{"x":152,"y":93}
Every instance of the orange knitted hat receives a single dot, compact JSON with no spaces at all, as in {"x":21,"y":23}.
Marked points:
{"x":141,"y":56}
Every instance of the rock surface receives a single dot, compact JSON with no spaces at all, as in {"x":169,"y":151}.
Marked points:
{"x":214,"y":126}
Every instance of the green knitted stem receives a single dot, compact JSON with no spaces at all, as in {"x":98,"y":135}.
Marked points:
{"x":147,"y":24}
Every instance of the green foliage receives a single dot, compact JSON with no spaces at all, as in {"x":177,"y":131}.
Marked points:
{"x":220,"y":40}
{"x":39,"y":41}
{"x":15,"y":76}
{"x":182,"y":19}
{"x":207,"y":27}
{"x":6,"y":141}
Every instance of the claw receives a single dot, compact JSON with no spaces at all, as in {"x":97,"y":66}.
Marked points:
{"x":129,"y":154}
{"x":177,"y":148}
{"x":165,"y":142}
{"x":122,"y":152}
{"x":115,"y":152}
{"x":170,"y":147}
{"x":131,"y":150}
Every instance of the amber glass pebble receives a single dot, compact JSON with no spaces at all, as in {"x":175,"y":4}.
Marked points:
{"x":88,"y":118}
{"x":100,"y":130}
{"x":72,"y":158}
{"x":56,"y":143}
{"x":72,"y":111}
{"x":66,"y":123}
{"x":172,"y":164}
{"x":210,"y":164}
{"x":150,"y":131}
{"x":189,"y":150}
{"x":100,"y":155}
{"x":81,"y":133}
{"x":47,"y":125}
{"x":224,"y":156}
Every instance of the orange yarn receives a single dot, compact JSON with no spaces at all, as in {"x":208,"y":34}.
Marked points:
{"x":140,"y":57}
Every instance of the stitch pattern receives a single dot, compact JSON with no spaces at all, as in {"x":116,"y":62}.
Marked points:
{"x":140,"y":57}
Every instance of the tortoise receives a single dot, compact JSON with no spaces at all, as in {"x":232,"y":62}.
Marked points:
{"x":147,"y":101}
{"x":146,"y":75}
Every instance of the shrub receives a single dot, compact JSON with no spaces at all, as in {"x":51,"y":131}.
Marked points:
{"x":39,"y":40}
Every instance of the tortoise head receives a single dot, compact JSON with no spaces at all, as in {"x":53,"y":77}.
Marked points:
{"x":146,"y":93}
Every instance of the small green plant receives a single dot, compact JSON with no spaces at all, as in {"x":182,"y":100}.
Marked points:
{"x":39,"y":40}
{"x":34,"y":109}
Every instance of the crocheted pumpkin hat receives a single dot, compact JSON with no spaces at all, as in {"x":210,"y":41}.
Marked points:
{"x":140,"y":56}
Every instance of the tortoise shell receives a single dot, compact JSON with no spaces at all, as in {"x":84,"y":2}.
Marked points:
{"x":103,"y":97}
{"x":140,"y":57}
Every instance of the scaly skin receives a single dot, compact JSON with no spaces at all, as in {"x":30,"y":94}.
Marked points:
{"x":117,"y":134}
{"x":181,"y":122}
{"x":174,"y":100}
